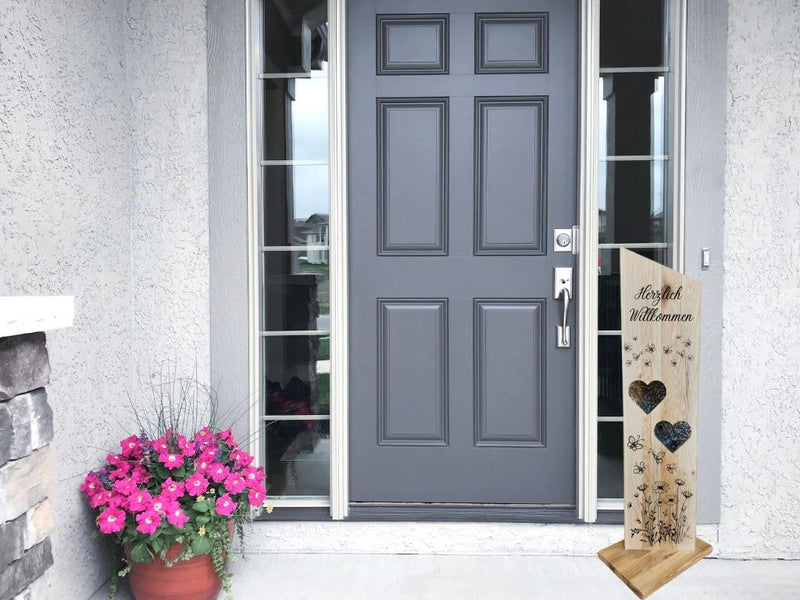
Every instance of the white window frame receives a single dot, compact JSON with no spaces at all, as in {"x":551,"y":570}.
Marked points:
{"x":587,"y":501}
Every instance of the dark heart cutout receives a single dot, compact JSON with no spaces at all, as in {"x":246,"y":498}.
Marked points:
{"x":647,"y":395}
{"x":673,"y":436}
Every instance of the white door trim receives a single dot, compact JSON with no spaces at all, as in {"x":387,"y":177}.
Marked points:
{"x":587,"y":261}
{"x":337,"y":89}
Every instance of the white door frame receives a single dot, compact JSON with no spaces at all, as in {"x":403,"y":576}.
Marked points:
{"x":587,"y":243}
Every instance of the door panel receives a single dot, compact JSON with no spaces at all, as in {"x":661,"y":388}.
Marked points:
{"x":462,"y":119}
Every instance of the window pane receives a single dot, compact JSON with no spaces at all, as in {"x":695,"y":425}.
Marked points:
{"x":632,"y":114}
{"x":297,"y":375}
{"x":632,"y":33}
{"x":631,"y":201}
{"x":609,"y":371}
{"x":296,"y":205}
{"x":296,"y":291}
{"x":609,"y":460}
{"x":608,"y":283}
{"x":298,"y":458}
{"x":296,"y":35}
{"x":296,"y":123}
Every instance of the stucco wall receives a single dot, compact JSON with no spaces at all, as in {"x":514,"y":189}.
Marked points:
{"x":103,"y":195}
{"x":761,"y":323}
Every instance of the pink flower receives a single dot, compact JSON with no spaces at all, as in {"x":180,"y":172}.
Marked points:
{"x":196,"y":484}
{"x":160,"y":503}
{"x":121,"y":472}
{"x":209,"y":454}
{"x":225,"y":436}
{"x":188,"y":448}
{"x":202,"y":465}
{"x":225,"y":505}
{"x":100,"y":498}
{"x":172,"y":489}
{"x":241,"y":458}
{"x":253,"y":476}
{"x":148,"y":522}
{"x":234,"y":483}
{"x":140,"y":475}
{"x":91,"y":485}
{"x":204,"y":435}
{"x":160,"y":445}
{"x":256,"y":497}
{"x":171,"y":461}
{"x":126,"y":487}
{"x":175,"y":515}
{"x":111,"y":520}
{"x":218,"y":472}
{"x":117,"y":500}
{"x":131,"y":447}
{"x":139,"y":501}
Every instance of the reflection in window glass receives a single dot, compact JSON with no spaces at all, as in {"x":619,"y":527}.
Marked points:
{"x":632,"y":33}
{"x":632,"y":114}
{"x":298,"y":457}
{"x":631,"y":202}
{"x":297,"y":375}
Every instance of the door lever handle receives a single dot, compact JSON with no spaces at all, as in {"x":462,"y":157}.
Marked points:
{"x":562,"y":290}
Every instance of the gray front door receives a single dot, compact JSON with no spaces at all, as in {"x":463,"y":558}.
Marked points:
{"x":462,"y":128}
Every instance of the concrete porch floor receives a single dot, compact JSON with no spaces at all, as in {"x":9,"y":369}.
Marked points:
{"x":437,"y":577}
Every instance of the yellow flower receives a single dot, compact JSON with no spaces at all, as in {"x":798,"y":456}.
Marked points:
{"x":202,"y":530}
{"x":200,"y":498}
{"x":268,"y":506}
{"x":211,"y":491}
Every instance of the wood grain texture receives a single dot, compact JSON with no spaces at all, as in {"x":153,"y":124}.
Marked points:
{"x":660,"y":343}
{"x":645,"y":571}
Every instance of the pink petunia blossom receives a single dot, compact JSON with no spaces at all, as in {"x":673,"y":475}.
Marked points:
{"x":111,"y":520}
{"x":160,"y":445}
{"x":225,"y":436}
{"x":218,"y":472}
{"x":241,"y":458}
{"x":139,"y":501}
{"x":172,"y":489}
{"x":203,"y":435}
{"x":196,"y":484}
{"x":126,"y":487}
{"x":188,"y":448}
{"x":148,"y":522}
{"x":91,"y":485}
{"x":160,"y":503}
{"x":171,"y":461}
{"x":209,"y":454}
{"x":101,"y":498}
{"x":131,"y":447}
{"x":175,"y":515}
{"x":225,"y":505}
{"x":256,"y":496}
{"x":140,"y":475}
{"x":234,"y":483}
{"x":121,"y":472}
{"x":253,"y":476}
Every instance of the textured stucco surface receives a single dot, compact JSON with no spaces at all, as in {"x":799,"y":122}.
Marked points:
{"x":761,"y":323}
{"x":103,"y":196}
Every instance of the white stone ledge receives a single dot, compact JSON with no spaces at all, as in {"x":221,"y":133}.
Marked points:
{"x":28,"y":314}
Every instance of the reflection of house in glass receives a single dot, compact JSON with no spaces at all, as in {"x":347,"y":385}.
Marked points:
{"x":313,"y":231}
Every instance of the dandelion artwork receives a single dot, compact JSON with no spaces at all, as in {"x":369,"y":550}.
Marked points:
{"x":659,"y":343}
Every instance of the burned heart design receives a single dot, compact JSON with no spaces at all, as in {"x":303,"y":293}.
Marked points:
{"x":673,"y":436}
{"x":647,"y":395}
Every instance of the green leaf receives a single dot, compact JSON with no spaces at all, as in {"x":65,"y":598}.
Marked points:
{"x":200,"y":506}
{"x":203,"y":519}
{"x":201,"y":545}
{"x":157,"y":544}
{"x":179,"y":473}
{"x":140,"y":553}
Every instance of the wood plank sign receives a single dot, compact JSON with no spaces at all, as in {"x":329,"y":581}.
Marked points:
{"x":660,"y":378}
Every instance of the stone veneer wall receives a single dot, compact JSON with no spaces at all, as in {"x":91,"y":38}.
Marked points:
{"x":26,"y":430}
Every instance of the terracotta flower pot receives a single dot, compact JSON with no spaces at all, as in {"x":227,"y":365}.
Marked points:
{"x":192,"y":579}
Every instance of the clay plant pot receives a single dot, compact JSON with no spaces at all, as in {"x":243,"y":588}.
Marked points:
{"x":193,"y":579}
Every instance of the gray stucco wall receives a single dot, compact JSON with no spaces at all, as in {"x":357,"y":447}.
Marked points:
{"x":761,"y":322}
{"x":103,"y":195}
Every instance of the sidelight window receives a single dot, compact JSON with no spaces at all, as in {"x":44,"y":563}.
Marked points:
{"x":638,"y":195}
{"x":294,"y":297}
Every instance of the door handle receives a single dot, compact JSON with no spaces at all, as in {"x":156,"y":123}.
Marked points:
{"x":562,"y":290}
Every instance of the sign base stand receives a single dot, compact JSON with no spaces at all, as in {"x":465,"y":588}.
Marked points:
{"x":645,"y":571}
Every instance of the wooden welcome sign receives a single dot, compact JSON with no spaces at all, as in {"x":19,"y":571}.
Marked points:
{"x":660,"y":376}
